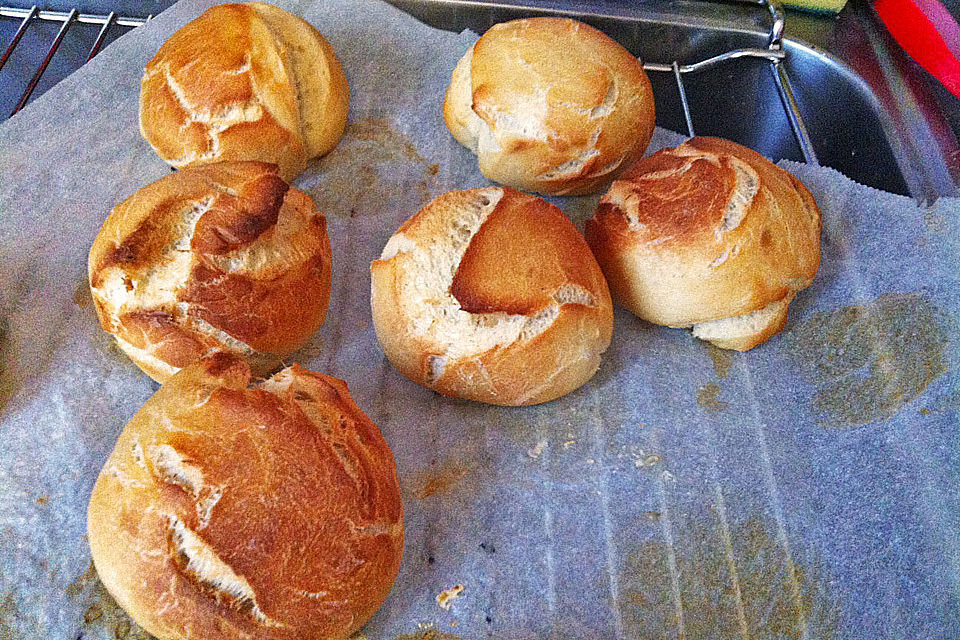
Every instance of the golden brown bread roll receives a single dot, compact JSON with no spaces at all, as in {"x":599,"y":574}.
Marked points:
{"x":223,"y":256}
{"x":550,"y":105}
{"x":227,"y":511}
{"x":244,"y":82}
{"x":710,"y":235}
{"x":491,"y":295}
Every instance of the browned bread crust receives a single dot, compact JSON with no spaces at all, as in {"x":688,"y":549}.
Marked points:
{"x":244,"y":82}
{"x":228,"y":511}
{"x":491,"y":295}
{"x":550,"y":105}
{"x":707,"y":231}
{"x":223,"y":256}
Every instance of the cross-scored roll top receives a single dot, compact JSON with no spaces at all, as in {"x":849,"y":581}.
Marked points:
{"x":244,"y":82}
{"x":224,"y":256}
{"x":710,"y":235}
{"x":233,"y":510}
{"x":550,"y":105}
{"x":491,"y":295}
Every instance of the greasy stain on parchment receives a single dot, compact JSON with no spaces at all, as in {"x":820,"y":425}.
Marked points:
{"x":441,"y":480}
{"x":744,"y":587}
{"x":868,"y":361}
{"x":11,"y":368}
{"x":15,"y":365}
{"x":721,"y":360}
{"x":8,"y":384}
{"x":103,"y":613}
{"x":8,"y":613}
{"x":371,"y":168}
{"x":82,"y":296}
{"x":707,"y":397}
{"x":26,"y":347}
{"x":428,"y":634}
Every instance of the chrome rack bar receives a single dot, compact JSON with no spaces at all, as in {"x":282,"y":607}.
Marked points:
{"x":111,"y":18}
{"x":775,"y":54}
{"x":46,"y":61}
{"x":19,"y":34}
{"x":800,"y":132}
{"x":683,"y":99}
{"x":62,"y":16}
{"x":782,"y":81}
{"x":68,"y":18}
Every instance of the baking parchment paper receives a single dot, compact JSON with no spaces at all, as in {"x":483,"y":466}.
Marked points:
{"x":806,"y":489}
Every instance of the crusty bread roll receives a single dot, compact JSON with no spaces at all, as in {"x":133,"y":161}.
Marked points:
{"x":491,"y":295}
{"x":233,"y":512}
{"x":550,"y":105}
{"x":223,"y":256}
{"x":710,"y":235}
{"x":244,"y":82}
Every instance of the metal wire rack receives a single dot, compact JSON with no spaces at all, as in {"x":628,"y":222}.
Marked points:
{"x":68,"y":19}
{"x":773,"y":53}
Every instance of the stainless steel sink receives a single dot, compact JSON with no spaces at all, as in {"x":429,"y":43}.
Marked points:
{"x":860,"y":103}
{"x":874,"y":124}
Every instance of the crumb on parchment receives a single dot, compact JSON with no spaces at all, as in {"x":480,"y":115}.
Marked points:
{"x":535,"y":451}
{"x":446,"y":597}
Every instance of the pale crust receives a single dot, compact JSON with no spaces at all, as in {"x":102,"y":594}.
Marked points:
{"x":324,"y":94}
{"x":223,"y":256}
{"x":706,"y":231}
{"x":742,"y":333}
{"x":491,"y":295}
{"x":229,"y":511}
{"x":550,"y":105}
{"x":244,"y":82}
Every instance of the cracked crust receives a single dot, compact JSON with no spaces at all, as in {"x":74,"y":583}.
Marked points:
{"x":491,"y":295}
{"x":550,"y":105}
{"x":710,"y":235}
{"x":229,"y":511}
{"x":223,"y":256}
{"x":244,"y":82}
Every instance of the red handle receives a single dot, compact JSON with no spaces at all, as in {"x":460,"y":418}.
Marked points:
{"x":928,"y":33}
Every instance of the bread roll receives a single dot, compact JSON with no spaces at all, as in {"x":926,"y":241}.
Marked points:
{"x":710,"y":235}
{"x":550,"y":105}
{"x":244,"y":82}
{"x":491,"y":295}
{"x":224,"y":256}
{"x":232,"y":512}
